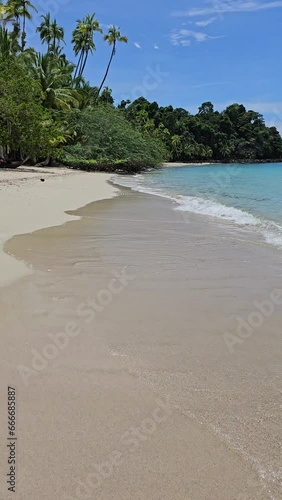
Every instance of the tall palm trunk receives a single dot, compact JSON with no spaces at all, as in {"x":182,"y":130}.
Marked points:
{"x":108,"y":69}
{"x":23,"y":33}
{"x":84,"y":63}
{"x":78,"y":64}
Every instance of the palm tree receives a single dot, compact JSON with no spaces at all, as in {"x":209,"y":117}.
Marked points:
{"x":25,"y":7}
{"x":106,"y":96}
{"x":113,"y":36}
{"x":57,"y":34}
{"x":15,"y":10}
{"x":86,"y":93}
{"x":12,"y":15}
{"x":44,"y":30}
{"x":55,"y":77}
{"x":6,"y":46}
{"x":176,"y":144}
{"x":51,"y":33}
{"x":83,"y":41}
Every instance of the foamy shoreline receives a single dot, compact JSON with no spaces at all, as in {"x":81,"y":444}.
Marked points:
{"x":28,"y":204}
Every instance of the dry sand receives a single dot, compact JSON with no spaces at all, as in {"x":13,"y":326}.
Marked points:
{"x":27,"y":204}
{"x":180,"y":164}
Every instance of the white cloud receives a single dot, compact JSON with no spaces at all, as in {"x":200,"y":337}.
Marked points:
{"x":207,"y":22}
{"x":183,"y":37}
{"x":184,"y":43}
{"x":208,"y":84}
{"x":137,"y":45}
{"x":228,"y":6}
{"x":156,"y":47}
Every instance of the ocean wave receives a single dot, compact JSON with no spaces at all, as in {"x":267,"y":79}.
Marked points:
{"x":271,"y":231}
{"x":135,"y":183}
{"x":212,"y":208}
{"x":192,"y":204}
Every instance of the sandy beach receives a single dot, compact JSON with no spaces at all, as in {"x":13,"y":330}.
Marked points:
{"x":30,"y":204}
{"x":135,"y":376}
{"x":180,"y":164}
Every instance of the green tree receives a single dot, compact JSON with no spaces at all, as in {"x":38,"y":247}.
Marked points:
{"x":106,"y":96}
{"x":15,"y":11}
{"x":83,"y":41}
{"x":26,"y":128}
{"x":6,"y":46}
{"x":110,"y":140}
{"x":235,"y":133}
{"x":51,"y":33}
{"x":62,"y":112}
{"x":25,"y":8}
{"x":54,"y":75}
{"x":2,"y":12}
{"x":176,"y":146}
{"x":206,"y":109}
{"x":112,"y":37}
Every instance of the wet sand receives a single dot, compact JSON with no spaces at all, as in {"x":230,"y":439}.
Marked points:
{"x":32,"y":198}
{"x":147,"y":394}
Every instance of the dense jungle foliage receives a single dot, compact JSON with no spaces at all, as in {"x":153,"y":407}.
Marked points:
{"x":50,"y":113}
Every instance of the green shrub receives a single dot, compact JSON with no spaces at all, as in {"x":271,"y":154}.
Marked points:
{"x":107,"y":141}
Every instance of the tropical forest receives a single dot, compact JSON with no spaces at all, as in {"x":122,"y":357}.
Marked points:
{"x":51,"y":114}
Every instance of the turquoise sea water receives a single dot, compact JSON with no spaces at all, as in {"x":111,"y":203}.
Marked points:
{"x":247,"y":195}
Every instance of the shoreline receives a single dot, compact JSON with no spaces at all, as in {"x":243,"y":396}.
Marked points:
{"x":219,"y":163}
{"x":31,"y":204}
{"x":172,"y":164}
{"x":167,"y":327}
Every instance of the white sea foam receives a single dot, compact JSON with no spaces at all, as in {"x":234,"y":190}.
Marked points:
{"x":215,"y":209}
{"x":135,"y":183}
{"x":271,"y":231}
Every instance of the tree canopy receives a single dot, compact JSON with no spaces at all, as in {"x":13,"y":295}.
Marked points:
{"x":49,"y":112}
{"x":233,"y":134}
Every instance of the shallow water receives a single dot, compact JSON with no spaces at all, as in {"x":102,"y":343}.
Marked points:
{"x":245,"y":194}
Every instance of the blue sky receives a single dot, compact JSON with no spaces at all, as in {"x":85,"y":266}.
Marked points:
{"x":185,"y":52}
